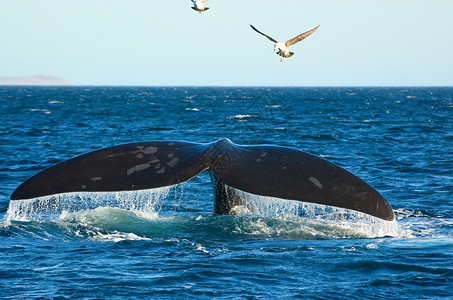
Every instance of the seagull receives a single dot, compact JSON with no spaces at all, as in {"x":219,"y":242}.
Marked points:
{"x":198,"y":5}
{"x":282,"y":47}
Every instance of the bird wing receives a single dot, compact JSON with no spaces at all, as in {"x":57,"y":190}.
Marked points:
{"x":270,"y":38}
{"x":204,"y":1}
{"x":300,"y":37}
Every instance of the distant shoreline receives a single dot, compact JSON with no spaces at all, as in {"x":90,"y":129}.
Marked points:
{"x":47,"y":80}
{"x":36,"y":80}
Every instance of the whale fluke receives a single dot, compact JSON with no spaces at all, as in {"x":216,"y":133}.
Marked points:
{"x":262,"y":170}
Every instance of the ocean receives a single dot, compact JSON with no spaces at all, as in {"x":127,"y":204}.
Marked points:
{"x":167,"y":243}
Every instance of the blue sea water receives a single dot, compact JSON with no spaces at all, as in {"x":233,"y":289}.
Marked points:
{"x":166,"y":243}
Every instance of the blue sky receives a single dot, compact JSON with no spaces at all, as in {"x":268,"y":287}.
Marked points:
{"x":149,"y":42}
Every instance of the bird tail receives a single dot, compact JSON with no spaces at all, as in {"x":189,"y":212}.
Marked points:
{"x":291,"y":54}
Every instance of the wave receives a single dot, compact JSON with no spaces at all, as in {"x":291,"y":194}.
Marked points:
{"x":242,"y":117}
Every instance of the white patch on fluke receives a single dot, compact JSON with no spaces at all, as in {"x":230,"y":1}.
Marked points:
{"x":138,"y":168}
{"x":172,"y":163}
{"x":147,"y":151}
{"x":316,"y":182}
{"x":150,"y":150}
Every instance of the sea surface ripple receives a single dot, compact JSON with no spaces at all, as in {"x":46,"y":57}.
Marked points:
{"x":166,"y":243}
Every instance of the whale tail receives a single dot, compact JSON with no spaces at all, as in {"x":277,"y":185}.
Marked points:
{"x":262,"y":170}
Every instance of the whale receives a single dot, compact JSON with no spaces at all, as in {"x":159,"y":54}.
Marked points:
{"x":264,"y":170}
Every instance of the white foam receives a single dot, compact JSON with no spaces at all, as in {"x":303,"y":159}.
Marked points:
{"x":417,"y":224}
{"x":41,"y":110}
{"x":240,"y":117}
{"x":118,"y":237}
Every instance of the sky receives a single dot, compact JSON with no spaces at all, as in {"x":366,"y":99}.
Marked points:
{"x":162,"y":43}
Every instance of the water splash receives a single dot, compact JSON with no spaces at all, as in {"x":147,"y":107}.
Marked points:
{"x":109,"y":224}
{"x":422,"y":225}
{"x":316,"y":217}
{"x":136,"y":214}
{"x":50,"y":208}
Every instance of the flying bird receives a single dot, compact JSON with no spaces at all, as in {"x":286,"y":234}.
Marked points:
{"x":198,"y":5}
{"x":282,"y":47}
